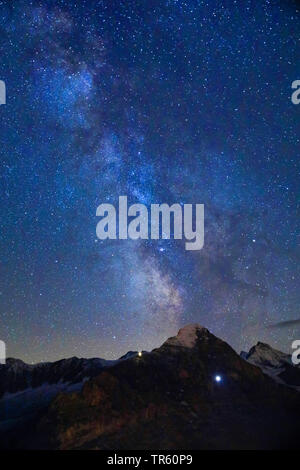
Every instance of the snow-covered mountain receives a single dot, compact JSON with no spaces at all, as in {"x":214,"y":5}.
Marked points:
{"x":16,"y":375}
{"x":276,"y":364}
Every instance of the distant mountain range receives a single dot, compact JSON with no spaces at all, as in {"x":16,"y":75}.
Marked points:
{"x":194,"y":392}
{"x":16,"y":375}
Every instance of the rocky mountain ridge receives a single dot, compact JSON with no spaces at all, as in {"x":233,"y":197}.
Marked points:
{"x":194,"y":392}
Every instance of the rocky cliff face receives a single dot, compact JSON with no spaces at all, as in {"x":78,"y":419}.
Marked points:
{"x":276,"y":364}
{"x":194,"y":392}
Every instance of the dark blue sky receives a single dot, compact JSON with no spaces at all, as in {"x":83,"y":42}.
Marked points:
{"x":162,"y":101}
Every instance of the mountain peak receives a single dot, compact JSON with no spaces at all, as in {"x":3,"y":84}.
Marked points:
{"x":267,"y":353}
{"x":261,"y":345}
{"x":187,"y":336}
{"x":274,"y":363}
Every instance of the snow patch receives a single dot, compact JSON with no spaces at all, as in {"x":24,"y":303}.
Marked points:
{"x":187,"y":336}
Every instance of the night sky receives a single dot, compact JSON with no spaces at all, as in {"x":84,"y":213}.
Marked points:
{"x":164,"y":101}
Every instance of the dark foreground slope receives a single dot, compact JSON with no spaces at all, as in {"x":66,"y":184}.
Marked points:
{"x":169,"y":399}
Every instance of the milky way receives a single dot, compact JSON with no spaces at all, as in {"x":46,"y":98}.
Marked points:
{"x":166,"y":102}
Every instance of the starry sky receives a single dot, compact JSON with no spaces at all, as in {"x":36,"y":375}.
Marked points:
{"x":165,"y":101}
